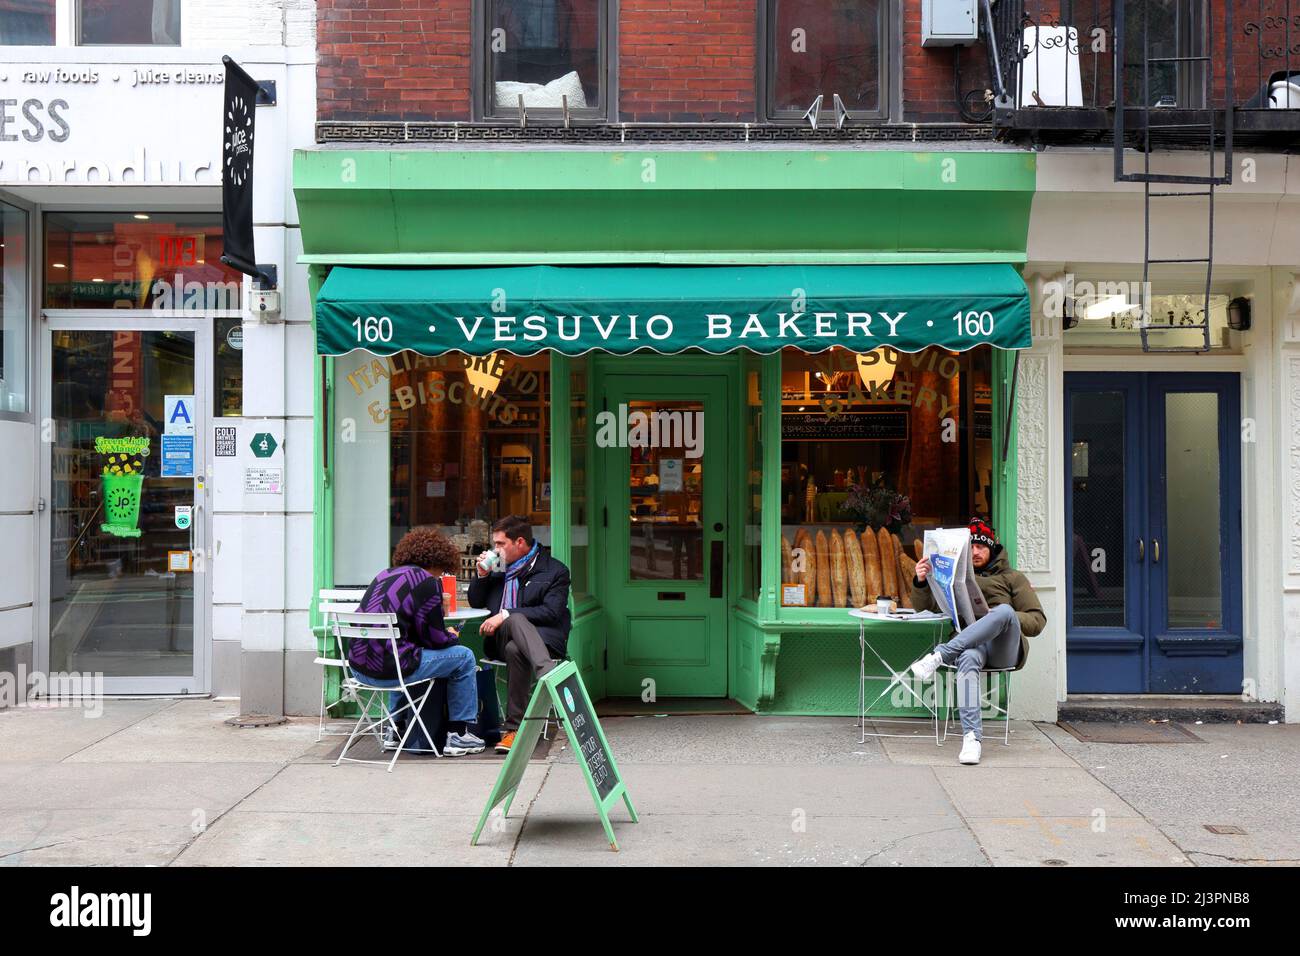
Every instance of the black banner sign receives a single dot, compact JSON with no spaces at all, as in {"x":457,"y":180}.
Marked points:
{"x":238,"y":111}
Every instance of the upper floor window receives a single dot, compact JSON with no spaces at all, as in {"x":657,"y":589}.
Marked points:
{"x":826,"y":47}
{"x":1175,"y":35}
{"x":129,"y":22}
{"x":552,"y":53}
{"x":27,"y":23}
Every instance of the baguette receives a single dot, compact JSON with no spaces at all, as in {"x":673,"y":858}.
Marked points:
{"x":808,"y":576}
{"x":786,"y":559}
{"x":857,"y":575}
{"x":907,"y":572}
{"x":871,"y":566}
{"x":888,"y":563}
{"x":824,"y":595}
{"x":839,"y":571}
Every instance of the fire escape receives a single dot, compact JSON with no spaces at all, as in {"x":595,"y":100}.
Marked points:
{"x":1159,"y":77}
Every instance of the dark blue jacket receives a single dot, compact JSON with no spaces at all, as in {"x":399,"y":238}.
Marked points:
{"x":543,"y":598}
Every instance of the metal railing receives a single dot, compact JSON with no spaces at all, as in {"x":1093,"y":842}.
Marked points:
{"x":1061,"y":54}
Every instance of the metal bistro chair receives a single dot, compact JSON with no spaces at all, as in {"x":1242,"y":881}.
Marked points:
{"x":988,"y":695}
{"x":333,"y":602}
{"x":368,"y":692}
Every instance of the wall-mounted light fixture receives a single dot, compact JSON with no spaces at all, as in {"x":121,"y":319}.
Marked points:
{"x":1239,"y":314}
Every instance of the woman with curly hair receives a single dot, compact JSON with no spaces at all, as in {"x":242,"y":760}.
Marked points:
{"x":412,"y":590}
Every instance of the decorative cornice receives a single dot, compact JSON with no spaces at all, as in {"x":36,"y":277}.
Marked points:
{"x":396,"y":131}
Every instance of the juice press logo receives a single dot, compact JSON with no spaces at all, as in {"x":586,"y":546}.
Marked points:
{"x":239,"y":140}
{"x":123,"y":482}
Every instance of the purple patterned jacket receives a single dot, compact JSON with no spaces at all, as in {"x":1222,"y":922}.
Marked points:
{"x":415,"y":596}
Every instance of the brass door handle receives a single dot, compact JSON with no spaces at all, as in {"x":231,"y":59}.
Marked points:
{"x":1155,"y":550}
{"x":1142,"y":550}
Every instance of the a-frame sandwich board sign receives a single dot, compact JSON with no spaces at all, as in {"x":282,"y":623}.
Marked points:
{"x":562,"y":689}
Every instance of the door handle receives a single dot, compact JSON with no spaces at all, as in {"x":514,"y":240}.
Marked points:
{"x":1155,"y":550}
{"x":1142,"y":550}
{"x":715,"y":568}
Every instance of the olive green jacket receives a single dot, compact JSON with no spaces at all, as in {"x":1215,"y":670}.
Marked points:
{"x":1000,"y":583}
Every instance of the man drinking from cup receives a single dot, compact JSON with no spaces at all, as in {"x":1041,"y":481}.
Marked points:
{"x":528,"y":592}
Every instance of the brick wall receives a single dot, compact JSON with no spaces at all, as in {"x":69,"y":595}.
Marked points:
{"x":679,"y":61}
{"x":687,"y":60}
{"x":393,"y":59}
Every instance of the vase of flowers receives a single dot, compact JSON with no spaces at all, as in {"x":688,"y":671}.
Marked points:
{"x":875,"y":506}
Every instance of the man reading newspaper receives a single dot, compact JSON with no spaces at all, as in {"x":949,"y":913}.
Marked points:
{"x":1011,"y":614}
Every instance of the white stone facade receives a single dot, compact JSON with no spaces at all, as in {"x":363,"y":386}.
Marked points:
{"x":1085,"y":224}
{"x":259,"y":573}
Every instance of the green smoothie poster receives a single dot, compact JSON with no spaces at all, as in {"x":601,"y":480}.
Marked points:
{"x":123,"y":483}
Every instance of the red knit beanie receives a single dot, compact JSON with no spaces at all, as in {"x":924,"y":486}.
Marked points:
{"x":982,"y":533}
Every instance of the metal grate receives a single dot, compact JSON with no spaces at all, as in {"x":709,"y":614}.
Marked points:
{"x":1115,"y":732}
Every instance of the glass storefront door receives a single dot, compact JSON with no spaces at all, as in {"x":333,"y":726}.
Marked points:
{"x":125,"y":417}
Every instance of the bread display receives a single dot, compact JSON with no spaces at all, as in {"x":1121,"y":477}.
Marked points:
{"x":907,"y":573}
{"x":825,"y":595}
{"x":844,"y":568}
{"x":857,"y":573}
{"x":888,"y":563}
{"x":871,"y":565}
{"x":839,"y":571}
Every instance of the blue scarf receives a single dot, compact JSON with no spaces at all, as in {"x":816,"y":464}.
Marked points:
{"x":510,"y":596}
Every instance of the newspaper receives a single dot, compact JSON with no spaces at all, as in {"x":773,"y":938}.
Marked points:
{"x":951,"y":579}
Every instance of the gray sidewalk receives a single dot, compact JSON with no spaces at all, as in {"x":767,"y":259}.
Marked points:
{"x":169,"y":783}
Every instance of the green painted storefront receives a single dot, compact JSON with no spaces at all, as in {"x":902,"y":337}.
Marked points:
{"x":380,"y":208}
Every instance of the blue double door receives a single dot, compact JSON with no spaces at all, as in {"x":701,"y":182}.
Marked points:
{"x":1153,"y":532}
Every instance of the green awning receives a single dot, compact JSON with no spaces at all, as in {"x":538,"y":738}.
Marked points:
{"x":621,"y":309}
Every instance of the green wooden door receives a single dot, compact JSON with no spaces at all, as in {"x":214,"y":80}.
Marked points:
{"x":662,"y":447}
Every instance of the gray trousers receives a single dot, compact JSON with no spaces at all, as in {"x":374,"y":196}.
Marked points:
{"x":527,"y":658}
{"x":993,"y":638}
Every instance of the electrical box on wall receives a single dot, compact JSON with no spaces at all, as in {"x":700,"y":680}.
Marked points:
{"x":264,"y":305}
{"x":949,"y":22}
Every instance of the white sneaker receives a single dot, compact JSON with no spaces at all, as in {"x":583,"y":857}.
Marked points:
{"x":970,"y":749}
{"x":924,"y":669}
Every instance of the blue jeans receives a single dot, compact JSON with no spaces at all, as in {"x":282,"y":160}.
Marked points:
{"x":995,"y":635}
{"x":457,"y":665}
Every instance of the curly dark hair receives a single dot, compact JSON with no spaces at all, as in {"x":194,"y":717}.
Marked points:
{"x":427,"y":548}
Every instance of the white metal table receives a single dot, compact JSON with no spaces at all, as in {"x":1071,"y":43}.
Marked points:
{"x":935,"y":628}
